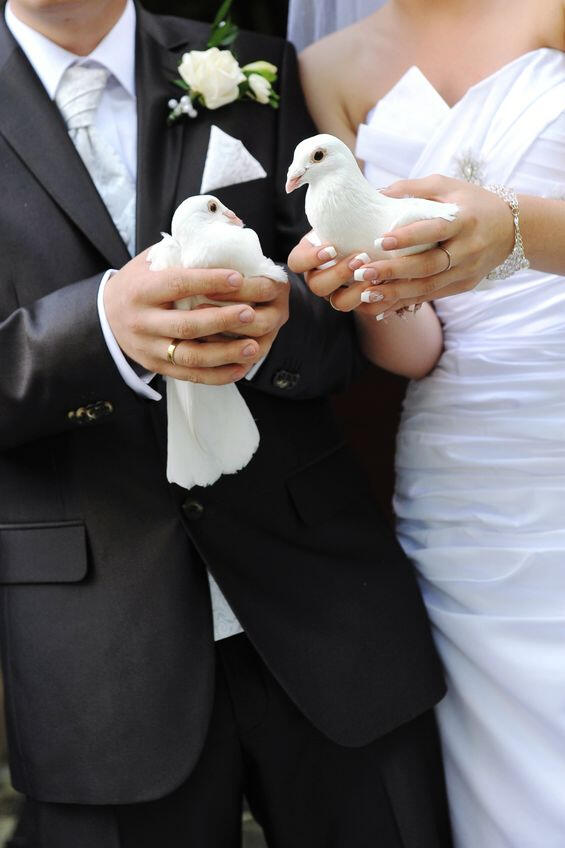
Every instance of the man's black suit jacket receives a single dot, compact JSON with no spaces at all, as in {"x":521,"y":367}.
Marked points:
{"x":106,"y":629}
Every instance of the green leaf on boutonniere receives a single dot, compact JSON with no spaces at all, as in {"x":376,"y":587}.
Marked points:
{"x":222,"y":14}
{"x":224,"y":31}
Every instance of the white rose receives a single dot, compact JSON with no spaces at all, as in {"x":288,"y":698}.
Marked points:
{"x":260,"y":87}
{"x":214,"y":74}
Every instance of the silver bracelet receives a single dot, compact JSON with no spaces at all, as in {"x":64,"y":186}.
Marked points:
{"x":517,"y":260}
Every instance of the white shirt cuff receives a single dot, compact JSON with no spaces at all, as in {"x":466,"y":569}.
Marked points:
{"x":139,"y":384}
{"x":253,"y":371}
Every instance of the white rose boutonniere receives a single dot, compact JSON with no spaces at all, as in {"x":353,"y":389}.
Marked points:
{"x":213,"y":77}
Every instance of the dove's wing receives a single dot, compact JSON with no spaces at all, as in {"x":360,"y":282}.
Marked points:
{"x":418,"y":209}
{"x":228,"y":246}
{"x":270,"y":269}
{"x":164,"y":254}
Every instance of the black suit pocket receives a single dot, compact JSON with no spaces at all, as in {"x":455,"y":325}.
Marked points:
{"x":329,"y":485}
{"x":43,"y":553}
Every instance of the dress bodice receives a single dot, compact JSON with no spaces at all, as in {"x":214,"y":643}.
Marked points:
{"x":509,"y":128}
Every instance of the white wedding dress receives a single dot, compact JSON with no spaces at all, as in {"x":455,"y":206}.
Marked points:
{"x":480,"y":492}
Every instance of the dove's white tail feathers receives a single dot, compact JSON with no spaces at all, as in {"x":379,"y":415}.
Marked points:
{"x":165,"y":254}
{"x":221,"y":436}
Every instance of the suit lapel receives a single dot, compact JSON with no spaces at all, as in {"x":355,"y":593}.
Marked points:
{"x":159,"y":147}
{"x":162,"y":149}
{"x":32,"y":125}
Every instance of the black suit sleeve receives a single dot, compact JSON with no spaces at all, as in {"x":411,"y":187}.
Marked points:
{"x":316,"y":352}
{"x":47,"y":351}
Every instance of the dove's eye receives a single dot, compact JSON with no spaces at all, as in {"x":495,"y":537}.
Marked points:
{"x":318,"y":155}
{"x":212,"y":207}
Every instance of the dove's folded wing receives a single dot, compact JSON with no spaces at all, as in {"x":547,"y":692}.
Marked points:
{"x":165,"y":254}
{"x":269,"y":269}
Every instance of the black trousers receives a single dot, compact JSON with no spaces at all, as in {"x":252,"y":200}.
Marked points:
{"x":306,"y":791}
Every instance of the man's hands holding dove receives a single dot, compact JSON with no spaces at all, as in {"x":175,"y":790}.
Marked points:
{"x":139,"y":306}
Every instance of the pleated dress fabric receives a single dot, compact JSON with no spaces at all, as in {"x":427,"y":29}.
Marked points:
{"x":480,"y":494}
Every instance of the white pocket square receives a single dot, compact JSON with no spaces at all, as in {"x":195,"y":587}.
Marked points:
{"x":228,"y":162}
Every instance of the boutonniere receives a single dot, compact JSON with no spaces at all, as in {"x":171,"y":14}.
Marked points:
{"x":213,"y":77}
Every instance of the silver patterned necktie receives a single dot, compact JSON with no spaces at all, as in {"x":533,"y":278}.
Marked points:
{"x":78,"y":97}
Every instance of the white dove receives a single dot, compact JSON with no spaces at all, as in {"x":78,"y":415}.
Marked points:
{"x":344,"y":209}
{"x":210,"y":429}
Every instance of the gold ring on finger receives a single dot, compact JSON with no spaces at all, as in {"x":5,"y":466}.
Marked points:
{"x":448,"y":254}
{"x":171,"y":351}
{"x":332,"y":304}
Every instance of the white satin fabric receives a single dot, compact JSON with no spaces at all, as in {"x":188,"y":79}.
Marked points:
{"x":480,"y":492}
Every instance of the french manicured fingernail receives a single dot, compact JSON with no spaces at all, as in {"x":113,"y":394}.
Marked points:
{"x":357,"y":261}
{"x":328,"y":252}
{"x":235,"y":280}
{"x":382,"y":316}
{"x":249,"y":350}
{"x":365,"y":275}
{"x":246,"y":315}
{"x":371,"y":297}
{"x":386,"y":243}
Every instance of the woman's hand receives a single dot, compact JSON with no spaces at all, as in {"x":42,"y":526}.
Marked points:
{"x":480,"y":239}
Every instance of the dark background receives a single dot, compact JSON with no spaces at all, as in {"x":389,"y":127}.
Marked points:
{"x":369,"y":411}
{"x":267,"y":16}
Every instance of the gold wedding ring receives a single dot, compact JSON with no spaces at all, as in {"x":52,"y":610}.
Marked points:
{"x":333,"y":306}
{"x":171,"y":351}
{"x":448,"y":254}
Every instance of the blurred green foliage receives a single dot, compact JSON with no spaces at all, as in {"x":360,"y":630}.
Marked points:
{"x":258,"y":15}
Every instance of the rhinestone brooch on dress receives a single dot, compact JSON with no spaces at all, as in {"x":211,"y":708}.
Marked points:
{"x":470,"y":168}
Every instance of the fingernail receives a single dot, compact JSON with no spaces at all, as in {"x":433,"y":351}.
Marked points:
{"x":327,"y":253}
{"x":382,"y":316}
{"x":386,"y":243}
{"x":357,"y":261}
{"x":235,"y":280}
{"x":246,"y":315}
{"x":365,"y":275}
{"x":249,"y":350}
{"x":371,"y":297}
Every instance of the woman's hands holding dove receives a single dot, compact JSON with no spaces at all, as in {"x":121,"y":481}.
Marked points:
{"x":479,"y":240}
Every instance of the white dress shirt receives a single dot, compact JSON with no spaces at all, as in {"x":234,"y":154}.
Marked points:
{"x":116,"y":121}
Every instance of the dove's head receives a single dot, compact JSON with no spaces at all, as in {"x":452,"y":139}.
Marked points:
{"x":200,"y":211}
{"x":318,"y":157}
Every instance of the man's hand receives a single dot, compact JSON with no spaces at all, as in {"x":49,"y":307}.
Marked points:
{"x":139,"y":305}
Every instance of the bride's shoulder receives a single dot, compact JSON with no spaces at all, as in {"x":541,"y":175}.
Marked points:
{"x":334,"y":71}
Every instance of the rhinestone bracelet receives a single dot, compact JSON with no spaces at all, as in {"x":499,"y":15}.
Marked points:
{"x":516,"y":261}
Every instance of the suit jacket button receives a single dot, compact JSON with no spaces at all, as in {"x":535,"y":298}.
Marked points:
{"x":193,"y":510}
{"x":286,"y":380}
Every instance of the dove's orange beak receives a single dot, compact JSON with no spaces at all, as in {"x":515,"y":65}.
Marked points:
{"x":232,"y":218}
{"x":294,"y":179}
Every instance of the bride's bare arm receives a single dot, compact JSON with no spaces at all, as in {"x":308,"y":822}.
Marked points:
{"x":410,"y":346}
